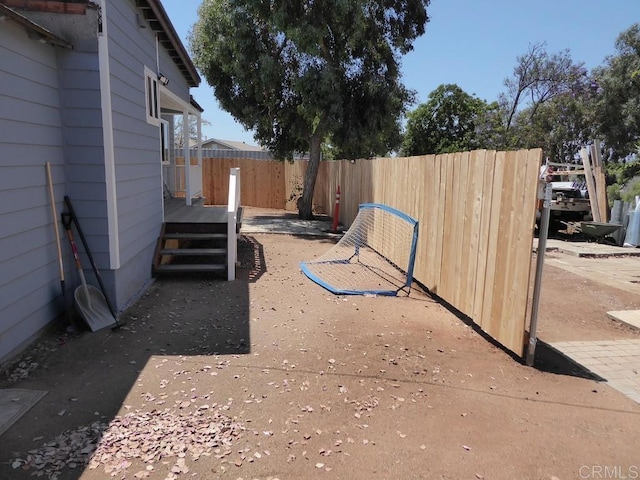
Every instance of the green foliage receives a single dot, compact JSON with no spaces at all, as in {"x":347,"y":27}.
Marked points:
{"x":299,"y":72}
{"x":618,"y":106}
{"x":450,"y":121}
{"x":547,"y":104}
{"x":560,"y":126}
{"x":291,"y":70}
{"x":613,"y":193}
{"x":622,"y":173}
{"x":539,"y":77}
{"x":623,"y":180}
{"x":631,"y":190}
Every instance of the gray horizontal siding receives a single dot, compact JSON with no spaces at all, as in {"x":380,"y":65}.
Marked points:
{"x":26,"y":242}
{"x":43,"y":307}
{"x":34,"y":133}
{"x":84,"y":152}
{"x":80,"y":155}
{"x":18,"y":176}
{"x":26,"y":111}
{"x":137,"y":144}
{"x":31,"y":134}
{"x":83,"y":99}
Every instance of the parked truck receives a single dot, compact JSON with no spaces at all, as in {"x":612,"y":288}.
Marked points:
{"x":569,"y":198}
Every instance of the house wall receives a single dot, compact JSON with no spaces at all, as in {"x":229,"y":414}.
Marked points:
{"x":81,"y":112}
{"x":169,"y":170}
{"x":137,"y":143}
{"x":31,"y":134}
{"x":51,"y":111}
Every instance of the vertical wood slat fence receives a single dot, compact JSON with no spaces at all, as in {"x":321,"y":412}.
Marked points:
{"x":262,"y":182}
{"x":476,"y":213}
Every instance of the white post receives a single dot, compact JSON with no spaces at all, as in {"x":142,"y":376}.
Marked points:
{"x":187,"y":159}
{"x":199,"y":139}
{"x":233,"y":203}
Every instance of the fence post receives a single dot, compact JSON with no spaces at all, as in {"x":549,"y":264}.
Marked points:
{"x":232,"y":221}
{"x":537,"y":286}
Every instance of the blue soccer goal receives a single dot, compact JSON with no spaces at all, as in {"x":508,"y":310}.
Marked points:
{"x":375,"y":256}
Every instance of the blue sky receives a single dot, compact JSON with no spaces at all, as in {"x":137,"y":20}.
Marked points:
{"x":472,"y":43}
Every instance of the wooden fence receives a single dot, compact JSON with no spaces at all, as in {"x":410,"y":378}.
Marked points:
{"x":476,"y":213}
{"x":262,"y":182}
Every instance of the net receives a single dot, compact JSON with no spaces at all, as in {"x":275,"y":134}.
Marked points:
{"x":375,"y":256}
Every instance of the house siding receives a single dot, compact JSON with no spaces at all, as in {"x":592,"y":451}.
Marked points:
{"x":31,"y":134}
{"x":84,"y":153}
{"x":137,"y":144}
{"x":51,"y":111}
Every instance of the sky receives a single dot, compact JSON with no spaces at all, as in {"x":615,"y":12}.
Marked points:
{"x":472,"y":43}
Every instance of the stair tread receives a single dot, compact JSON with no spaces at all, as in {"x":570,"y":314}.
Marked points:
{"x":193,"y":251}
{"x":196,"y":236}
{"x":190,"y":267}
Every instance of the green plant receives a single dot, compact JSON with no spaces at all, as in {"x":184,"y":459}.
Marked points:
{"x":613,"y":193}
{"x":631,"y":190}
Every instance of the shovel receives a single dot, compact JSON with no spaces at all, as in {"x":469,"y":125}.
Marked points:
{"x":90,"y":302}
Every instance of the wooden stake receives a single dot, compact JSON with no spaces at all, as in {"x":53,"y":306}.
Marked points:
{"x":601,"y":182}
{"x":591,"y":187}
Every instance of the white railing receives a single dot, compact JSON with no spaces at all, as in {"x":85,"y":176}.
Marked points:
{"x":232,"y":221}
{"x":195,"y":181}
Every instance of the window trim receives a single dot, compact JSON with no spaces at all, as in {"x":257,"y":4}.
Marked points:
{"x":164,"y":141}
{"x":152,"y":97}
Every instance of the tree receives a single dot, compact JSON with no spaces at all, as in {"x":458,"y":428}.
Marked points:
{"x":297,"y":73}
{"x":178,"y":133}
{"x":449,"y":121}
{"x":538,"y":78}
{"x":560,"y":126}
{"x":618,"y":106}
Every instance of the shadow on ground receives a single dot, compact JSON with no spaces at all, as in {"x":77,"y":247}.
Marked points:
{"x":546,"y":358}
{"x":89,"y":375}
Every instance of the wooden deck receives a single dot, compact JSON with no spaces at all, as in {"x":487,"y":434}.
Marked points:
{"x":175,"y":211}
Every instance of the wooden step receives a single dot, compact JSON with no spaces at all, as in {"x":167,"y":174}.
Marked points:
{"x":193,"y":251}
{"x":194,"y":236}
{"x":191,"y":267}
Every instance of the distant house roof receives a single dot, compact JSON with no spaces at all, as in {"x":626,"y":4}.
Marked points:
{"x":152,"y":11}
{"x":217,"y":143}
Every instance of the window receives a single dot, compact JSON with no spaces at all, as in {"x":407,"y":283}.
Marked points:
{"x":151,"y":96}
{"x":164,"y":139}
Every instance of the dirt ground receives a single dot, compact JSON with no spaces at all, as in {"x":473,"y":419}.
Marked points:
{"x":272,"y":376}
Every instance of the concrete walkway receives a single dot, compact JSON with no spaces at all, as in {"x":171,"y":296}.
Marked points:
{"x":616,"y":267}
{"x":587,"y":249}
{"x":264,"y":220}
{"x":616,"y":361}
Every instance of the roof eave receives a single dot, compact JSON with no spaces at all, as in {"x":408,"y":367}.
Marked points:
{"x":160,"y":23}
{"x":33,"y":28}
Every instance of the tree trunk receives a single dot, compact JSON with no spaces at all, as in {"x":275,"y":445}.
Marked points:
{"x":305,"y":207}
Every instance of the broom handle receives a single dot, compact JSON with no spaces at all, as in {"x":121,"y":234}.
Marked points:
{"x":74,"y":218}
{"x":55,"y":221}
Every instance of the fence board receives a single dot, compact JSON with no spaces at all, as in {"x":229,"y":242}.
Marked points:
{"x":476,"y":215}
{"x":523,"y":246}
{"x":499,"y":315}
{"x":492,"y":250}
{"x":488,"y":162}
{"x":464,"y":231}
{"x":472,"y":230}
